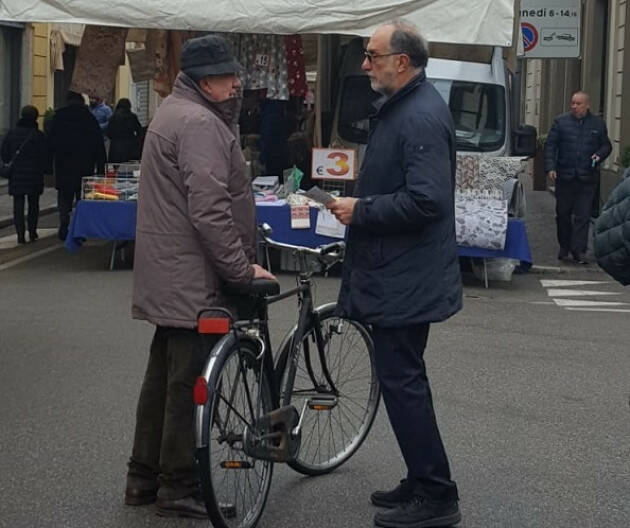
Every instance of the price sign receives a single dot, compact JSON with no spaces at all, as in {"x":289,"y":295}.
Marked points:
{"x":334,"y":164}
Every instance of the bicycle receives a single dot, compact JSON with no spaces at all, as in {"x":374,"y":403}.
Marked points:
{"x":246,"y":403}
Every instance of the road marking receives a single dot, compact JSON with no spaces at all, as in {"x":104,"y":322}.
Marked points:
{"x":567,"y":283}
{"x":553,"y":292}
{"x":590,"y":304}
{"x":544,"y":302}
{"x":610,"y":310}
{"x":31,"y":256}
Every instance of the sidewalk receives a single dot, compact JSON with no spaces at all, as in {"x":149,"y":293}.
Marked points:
{"x":47,"y":203}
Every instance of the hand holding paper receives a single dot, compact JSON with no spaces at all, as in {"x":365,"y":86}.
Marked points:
{"x":343,"y":208}
{"x":318,"y":195}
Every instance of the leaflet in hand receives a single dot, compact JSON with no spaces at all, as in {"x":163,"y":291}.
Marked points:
{"x":317,"y":195}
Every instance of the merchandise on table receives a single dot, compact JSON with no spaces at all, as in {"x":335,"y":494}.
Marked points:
{"x":99,"y":188}
{"x":130,"y":169}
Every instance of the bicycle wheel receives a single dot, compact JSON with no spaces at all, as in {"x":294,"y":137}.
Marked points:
{"x":234,"y":485}
{"x":335,"y":422}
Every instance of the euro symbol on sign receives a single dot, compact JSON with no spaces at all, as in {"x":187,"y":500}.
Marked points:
{"x":320,"y":170}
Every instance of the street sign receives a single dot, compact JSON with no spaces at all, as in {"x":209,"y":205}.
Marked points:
{"x":551,"y":28}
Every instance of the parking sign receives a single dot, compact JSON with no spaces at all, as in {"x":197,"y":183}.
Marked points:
{"x":551,"y":28}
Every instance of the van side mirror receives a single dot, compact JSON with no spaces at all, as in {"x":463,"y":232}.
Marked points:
{"x":524,"y":141}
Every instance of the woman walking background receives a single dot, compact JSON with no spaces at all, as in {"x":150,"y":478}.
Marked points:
{"x":26,"y":179}
{"x":125,"y":132}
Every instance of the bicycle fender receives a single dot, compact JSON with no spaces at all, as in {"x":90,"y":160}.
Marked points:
{"x":225,"y":344}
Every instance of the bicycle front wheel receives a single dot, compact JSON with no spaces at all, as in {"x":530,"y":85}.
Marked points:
{"x":336,"y":418}
{"x":234,"y":485}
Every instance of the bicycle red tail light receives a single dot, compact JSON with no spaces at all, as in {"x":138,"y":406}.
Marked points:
{"x":213,"y":325}
{"x":200,"y":391}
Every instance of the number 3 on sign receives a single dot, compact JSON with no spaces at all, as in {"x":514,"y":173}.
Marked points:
{"x":333,"y":164}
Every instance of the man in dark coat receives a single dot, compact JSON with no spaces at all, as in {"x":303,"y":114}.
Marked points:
{"x":401,"y":271}
{"x":27,"y":173}
{"x":576,"y":145}
{"x":612,"y":233}
{"x":77,"y":148}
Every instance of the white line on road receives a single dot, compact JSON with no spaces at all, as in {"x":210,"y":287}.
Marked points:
{"x":590,"y":304}
{"x":567,"y":283}
{"x":31,"y":256}
{"x":616,"y":310}
{"x":554,"y":292}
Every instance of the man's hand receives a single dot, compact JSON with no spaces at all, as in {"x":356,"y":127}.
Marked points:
{"x":552,"y":175}
{"x":262,"y":273}
{"x":596,"y":159}
{"x":343,"y":209}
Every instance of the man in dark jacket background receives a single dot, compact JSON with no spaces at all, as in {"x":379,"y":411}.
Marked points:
{"x":576,"y":145}
{"x":77,"y":149}
{"x":401,"y":271}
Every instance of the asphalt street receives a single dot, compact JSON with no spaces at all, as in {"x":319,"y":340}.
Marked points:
{"x":532,"y":396}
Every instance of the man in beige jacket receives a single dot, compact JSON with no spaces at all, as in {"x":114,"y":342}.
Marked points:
{"x":196,"y":231}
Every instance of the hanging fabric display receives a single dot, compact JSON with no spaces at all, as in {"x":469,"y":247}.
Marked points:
{"x":101,"y":52}
{"x":481,"y":220}
{"x":296,"y":71}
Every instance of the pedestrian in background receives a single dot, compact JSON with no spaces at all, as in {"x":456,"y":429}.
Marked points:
{"x":76,"y":146}
{"x":196,"y":231}
{"x":401,"y":270}
{"x":101,"y":111}
{"x":576,"y":146}
{"x":125,"y":134}
{"x":25,"y":147}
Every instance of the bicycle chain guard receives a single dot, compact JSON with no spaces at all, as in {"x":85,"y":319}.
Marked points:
{"x":272,"y":436}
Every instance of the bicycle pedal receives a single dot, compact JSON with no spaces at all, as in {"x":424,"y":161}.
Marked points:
{"x":272,"y":436}
{"x":227,"y":510}
{"x":236,"y":464}
{"x":322,"y":403}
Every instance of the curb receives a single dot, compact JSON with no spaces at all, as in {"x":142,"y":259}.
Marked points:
{"x":8,"y":220}
{"x":542,"y":270}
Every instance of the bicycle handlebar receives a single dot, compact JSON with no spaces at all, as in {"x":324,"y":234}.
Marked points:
{"x":330,"y":252}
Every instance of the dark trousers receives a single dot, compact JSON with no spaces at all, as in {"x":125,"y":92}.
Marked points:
{"x":18,"y":213}
{"x":407,"y":396}
{"x":574,"y":204}
{"x":164,"y":446}
{"x":66,"y":197}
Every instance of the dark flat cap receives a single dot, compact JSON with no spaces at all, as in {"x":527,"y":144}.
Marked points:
{"x":208,"y":55}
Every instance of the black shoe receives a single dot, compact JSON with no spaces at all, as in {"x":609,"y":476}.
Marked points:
{"x":420,"y":513}
{"x":21,"y":239}
{"x":563,"y":254}
{"x":580,"y":258}
{"x":62,"y":234}
{"x":33,"y":236}
{"x":190,"y":506}
{"x":140,"y":491}
{"x":393,"y":498}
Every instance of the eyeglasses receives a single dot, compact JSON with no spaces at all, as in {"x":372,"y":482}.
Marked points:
{"x":370,"y":56}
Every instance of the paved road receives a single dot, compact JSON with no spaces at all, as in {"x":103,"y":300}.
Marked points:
{"x":532,"y":398}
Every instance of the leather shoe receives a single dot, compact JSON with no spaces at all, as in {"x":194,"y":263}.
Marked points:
{"x":190,"y":506}
{"x":419,"y":512}
{"x":580,"y":258}
{"x":393,"y":498}
{"x":563,"y":254}
{"x":140,"y":496}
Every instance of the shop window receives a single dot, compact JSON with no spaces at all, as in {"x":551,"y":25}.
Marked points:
{"x":10,"y":58}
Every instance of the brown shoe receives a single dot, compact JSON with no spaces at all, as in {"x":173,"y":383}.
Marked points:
{"x":139,"y":497}
{"x":190,"y":506}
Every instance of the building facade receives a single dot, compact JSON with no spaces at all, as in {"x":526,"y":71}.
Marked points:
{"x":603,"y":71}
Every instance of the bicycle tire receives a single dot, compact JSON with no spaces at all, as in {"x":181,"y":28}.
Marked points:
{"x":348,"y":406}
{"x":227,"y":505}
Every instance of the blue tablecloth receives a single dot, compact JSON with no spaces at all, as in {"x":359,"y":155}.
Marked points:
{"x":117,"y":221}
{"x":279,"y":218}
{"x":101,"y":219}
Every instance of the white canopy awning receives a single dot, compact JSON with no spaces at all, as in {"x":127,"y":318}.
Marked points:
{"x":482,"y":22}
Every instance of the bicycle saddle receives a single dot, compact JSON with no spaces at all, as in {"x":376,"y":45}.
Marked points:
{"x":255,"y":288}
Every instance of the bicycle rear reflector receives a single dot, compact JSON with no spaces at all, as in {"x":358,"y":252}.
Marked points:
{"x":213,"y":325}
{"x":200,"y":391}
{"x":236,"y":464}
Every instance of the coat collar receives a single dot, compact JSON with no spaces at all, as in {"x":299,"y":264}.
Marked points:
{"x":385,"y":102}
{"x":228,"y":111}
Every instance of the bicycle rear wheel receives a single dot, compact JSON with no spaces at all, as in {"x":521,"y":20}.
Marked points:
{"x":335,"y":422}
{"x":234,"y":485}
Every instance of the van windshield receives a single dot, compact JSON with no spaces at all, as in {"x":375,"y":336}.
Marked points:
{"x":478,"y":111}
